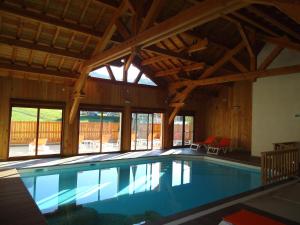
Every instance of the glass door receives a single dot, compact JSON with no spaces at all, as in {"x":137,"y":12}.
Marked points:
{"x":146,"y":131}
{"x":35,"y":131}
{"x":183,"y":131}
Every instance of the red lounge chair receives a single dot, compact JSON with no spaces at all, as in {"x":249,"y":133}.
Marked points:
{"x":245,"y":217}
{"x":223,"y":145}
{"x":209,"y":141}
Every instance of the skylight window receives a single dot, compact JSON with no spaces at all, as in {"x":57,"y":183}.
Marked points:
{"x":146,"y":81}
{"x":100,"y":73}
{"x":118,"y":72}
{"x":134,"y":74}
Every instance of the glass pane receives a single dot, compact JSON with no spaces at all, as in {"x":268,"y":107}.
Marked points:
{"x":23,"y":130}
{"x":118,"y":72}
{"x":100,"y":73}
{"x":150,"y":131}
{"x":133,"y":130}
{"x":111,"y":131}
{"x":188,"y":130}
{"x":132,"y":73}
{"x":89,"y":132}
{"x":146,"y":81}
{"x":50,"y":127}
{"x":157,"y":131}
{"x":178,"y":130}
{"x":142,"y":134}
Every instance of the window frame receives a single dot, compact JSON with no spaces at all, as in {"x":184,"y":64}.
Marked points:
{"x":183,"y":129}
{"x":145,"y":111}
{"x":102,"y":109}
{"x":25,"y":103}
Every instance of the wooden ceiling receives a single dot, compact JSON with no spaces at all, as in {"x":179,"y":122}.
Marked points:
{"x":175,"y":42}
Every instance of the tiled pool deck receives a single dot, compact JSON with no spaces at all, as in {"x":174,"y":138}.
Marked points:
{"x":17,"y":207}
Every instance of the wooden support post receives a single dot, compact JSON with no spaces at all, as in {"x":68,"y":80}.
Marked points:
{"x":126,"y":129}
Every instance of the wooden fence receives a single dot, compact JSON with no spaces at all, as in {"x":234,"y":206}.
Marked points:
{"x":23,"y":133}
{"x":279,"y":165}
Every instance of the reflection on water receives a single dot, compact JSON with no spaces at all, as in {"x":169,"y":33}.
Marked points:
{"x":132,"y":193}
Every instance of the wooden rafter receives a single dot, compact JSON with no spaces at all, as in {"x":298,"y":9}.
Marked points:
{"x":248,"y":46}
{"x":152,"y":14}
{"x":201,"y":13}
{"x":252,"y":75}
{"x":101,"y":45}
{"x":85,"y":8}
{"x":254,"y":24}
{"x":192,"y":67}
{"x":273,"y":21}
{"x":181,"y":96}
{"x":41,"y":18}
{"x":238,"y":65}
{"x":38,"y":70}
{"x":289,"y":7}
{"x":42,"y":48}
{"x":111,"y":28}
{"x":111,"y":75}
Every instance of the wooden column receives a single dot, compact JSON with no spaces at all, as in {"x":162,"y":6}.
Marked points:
{"x":167,"y":130}
{"x":5,"y":84}
{"x":126,"y":129}
{"x":70,"y":135}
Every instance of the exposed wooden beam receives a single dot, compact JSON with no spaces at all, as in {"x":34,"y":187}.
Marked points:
{"x":111,"y":28}
{"x":42,"y":48}
{"x":136,"y":80}
{"x":228,"y":55}
{"x":201,"y":13}
{"x":273,"y":21}
{"x":289,"y":7}
{"x":39,"y":17}
{"x":171,"y":54}
{"x":270,"y":58}
{"x":192,"y":67}
{"x":111,"y":75}
{"x":152,"y":14}
{"x":245,"y":76}
{"x":38,"y":70}
{"x":238,"y":65}
{"x":247,"y":43}
{"x":129,"y":60}
{"x":200,"y":45}
{"x":280,"y":41}
{"x":101,"y":45}
{"x":254,"y":24}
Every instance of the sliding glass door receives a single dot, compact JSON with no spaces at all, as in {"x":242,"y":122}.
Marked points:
{"x":183,"y":131}
{"x":146,"y":131}
{"x":35,"y":131}
{"x":99,"y":132}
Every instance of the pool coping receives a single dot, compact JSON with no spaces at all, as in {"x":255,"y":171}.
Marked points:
{"x":174,"y":156}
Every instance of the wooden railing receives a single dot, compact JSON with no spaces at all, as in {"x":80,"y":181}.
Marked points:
{"x":279,"y":165}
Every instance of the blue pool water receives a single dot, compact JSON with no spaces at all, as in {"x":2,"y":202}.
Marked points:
{"x":132,"y":192}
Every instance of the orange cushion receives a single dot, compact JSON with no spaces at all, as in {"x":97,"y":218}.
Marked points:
{"x":244,"y":217}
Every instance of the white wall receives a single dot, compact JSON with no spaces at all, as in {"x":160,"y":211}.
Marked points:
{"x":275,"y":103}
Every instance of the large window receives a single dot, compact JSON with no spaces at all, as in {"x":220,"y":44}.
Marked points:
{"x":99,"y":132}
{"x":146,"y":132}
{"x":183,"y":130}
{"x":35,"y":131}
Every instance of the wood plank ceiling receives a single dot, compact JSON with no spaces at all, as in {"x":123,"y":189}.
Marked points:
{"x":181,"y":43}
